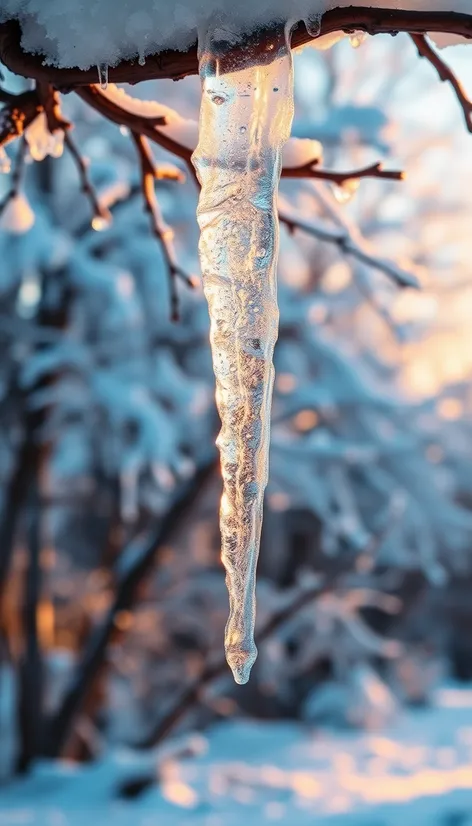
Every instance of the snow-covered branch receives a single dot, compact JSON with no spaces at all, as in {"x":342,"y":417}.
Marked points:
{"x":177,"y":63}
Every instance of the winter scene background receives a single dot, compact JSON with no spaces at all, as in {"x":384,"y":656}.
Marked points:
{"x":115,"y":698}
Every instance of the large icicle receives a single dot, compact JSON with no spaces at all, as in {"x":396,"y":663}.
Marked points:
{"x":246,"y":117}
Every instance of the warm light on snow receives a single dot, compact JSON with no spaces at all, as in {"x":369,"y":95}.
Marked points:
{"x":246,"y":118}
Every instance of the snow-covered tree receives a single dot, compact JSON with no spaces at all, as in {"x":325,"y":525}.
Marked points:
{"x":106,"y":397}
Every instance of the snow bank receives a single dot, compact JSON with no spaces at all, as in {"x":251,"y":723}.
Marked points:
{"x":417,"y":772}
{"x":74,"y":33}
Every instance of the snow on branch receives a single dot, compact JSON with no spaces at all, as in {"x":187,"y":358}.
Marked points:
{"x":178,"y":63}
{"x":176,"y":135}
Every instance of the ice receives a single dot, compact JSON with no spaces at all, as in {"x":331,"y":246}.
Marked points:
{"x":103,"y":75}
{"x":246,"y":116}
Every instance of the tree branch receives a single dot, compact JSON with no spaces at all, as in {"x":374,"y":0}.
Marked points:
{"x":310,"y":170}
{"x":175,"y":64}
{"x":132,"y":566}
{"x":101,"y":216}
{"x":446,"y":75}
{"x":147,"y":127}
{"x":357,"y":246}
{"x":163,"y":234}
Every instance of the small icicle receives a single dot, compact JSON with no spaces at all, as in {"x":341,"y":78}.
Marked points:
{"x":246,"y":116}
{"x":356,"y":39}
{"x":102,"y":69}
{"x":313,"y":24}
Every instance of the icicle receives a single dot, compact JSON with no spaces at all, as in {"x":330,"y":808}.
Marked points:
{"x":246,"y":116}
{"x":313,"y":24}
{"x":102,"y":69}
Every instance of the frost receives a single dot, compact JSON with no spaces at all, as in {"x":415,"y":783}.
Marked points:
{"x":246,"y":116}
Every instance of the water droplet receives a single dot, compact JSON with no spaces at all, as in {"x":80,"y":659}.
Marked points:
{"x":346,"y":191}
{"x":357,"y":39}
{"x":276,"y":89}
{"x":100,"y":223}
{"x":142,"y":60}
{"x":242,"y":129}
{"x":102,"y":69}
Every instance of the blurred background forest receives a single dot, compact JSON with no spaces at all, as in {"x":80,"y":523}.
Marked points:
{"x":113,"y":602}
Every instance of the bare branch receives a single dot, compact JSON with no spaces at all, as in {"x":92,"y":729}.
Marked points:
{"x":357,"y":246}
{"x":445,"y":74}
{"x":311,"y":170}
{"x":101,"y":215}
{"x":163,"y":234}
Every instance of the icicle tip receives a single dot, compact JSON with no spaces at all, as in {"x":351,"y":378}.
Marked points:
{"x":241,"y":663}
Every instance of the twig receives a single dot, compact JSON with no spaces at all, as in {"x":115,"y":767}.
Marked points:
{"x":133,"y":565}
{"x":445,"y":74}
{"x":175,"y":64}
{"x":347,"y":243}
{"x":163,"y":234}
{"x":311,"y":170}
{"x":101,"y":215}
{"x":16,"y":176}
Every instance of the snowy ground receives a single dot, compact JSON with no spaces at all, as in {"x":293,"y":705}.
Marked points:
{"x":416,"y":773}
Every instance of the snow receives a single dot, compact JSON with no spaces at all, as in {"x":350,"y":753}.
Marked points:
{"x":415,"y":772}
{"x":246,"y":118}
{"x":115,"y":31}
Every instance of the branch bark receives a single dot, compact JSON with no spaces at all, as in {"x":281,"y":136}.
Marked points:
{"x":176,"y":65}
{"x":445,"y":74}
